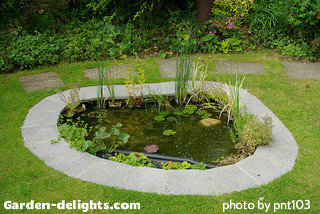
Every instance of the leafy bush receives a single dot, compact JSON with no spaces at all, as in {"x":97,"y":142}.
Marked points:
{"x":232,"y":7}
{"x":304,"y":16}
{"x":231,"y":44}
{"x":267,"y":19}
{"x":294,"y":49}
{"x":5,"y":64}
{"x":28,"y":51}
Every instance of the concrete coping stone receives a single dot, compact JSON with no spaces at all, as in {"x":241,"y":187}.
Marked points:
{"x":265,"y":165}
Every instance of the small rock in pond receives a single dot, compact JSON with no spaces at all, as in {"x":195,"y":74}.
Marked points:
{"x":209,"y":122}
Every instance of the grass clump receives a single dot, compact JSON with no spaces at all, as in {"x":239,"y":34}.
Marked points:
{"x":256,"y":132}
{"x":250,"y":132}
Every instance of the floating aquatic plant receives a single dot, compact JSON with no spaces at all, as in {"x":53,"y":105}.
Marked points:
{"x":151,"y":148}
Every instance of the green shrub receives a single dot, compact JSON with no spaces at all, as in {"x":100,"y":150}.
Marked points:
{"x":28,"y":51}
{"x":304,"y":16}
{"x":295,"y":49}
{"x":267,"y":19}
{"x":5,"y":65}
{"x":232,"y":7}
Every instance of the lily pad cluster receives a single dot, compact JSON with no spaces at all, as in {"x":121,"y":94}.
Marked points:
{"x":188,"y":110}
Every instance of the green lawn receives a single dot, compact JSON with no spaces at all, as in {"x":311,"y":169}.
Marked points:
{"x":23,"y":177}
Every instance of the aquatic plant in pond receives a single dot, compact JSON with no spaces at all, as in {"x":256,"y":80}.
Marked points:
{"x":183,"y":73}
{"x":73,"y":100}
{"x":109,"y":141}
{"x":186,"y":138}
{"x":183,"y":165}
{"x":134,"y":159}
{"x":228,"y":97}
{"x":131,"y":86}
{"x":110,"y":82}
{"x":197,"y":92}
{"x":151,"y":148}
{"x":140,"y":159}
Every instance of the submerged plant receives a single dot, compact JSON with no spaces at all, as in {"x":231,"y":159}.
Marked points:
{"x":163,"y":101}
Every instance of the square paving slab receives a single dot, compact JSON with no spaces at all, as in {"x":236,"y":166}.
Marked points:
{"x":93,"y":73}
{"x":43,"y":81}
{"x":239,"y":67}
{"x":167,"y":67}
{"x":299,"y":70}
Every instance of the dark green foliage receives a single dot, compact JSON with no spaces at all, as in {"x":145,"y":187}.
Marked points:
{"x":78,"y":30}
{"x":27,"y":51}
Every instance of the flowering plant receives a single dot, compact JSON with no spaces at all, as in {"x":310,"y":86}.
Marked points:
{"x":131,"y":86}
{"x":73,"y":100}
{"x":222,"y":26}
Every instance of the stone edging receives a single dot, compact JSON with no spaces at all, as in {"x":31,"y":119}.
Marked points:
{"x":265,"y":165}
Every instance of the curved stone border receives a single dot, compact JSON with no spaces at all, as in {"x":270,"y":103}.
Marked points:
{"x":267,"y":163}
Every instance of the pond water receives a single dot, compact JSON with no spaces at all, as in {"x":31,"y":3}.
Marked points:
{"x":191,"y":140}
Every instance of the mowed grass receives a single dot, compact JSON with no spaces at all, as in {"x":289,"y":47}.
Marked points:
{"x":23,"y":177}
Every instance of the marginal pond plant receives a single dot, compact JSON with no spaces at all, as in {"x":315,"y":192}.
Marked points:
{"x":131,"y":86}
{"x":72,"y":101}
{"x":184,"y":70}
{"x":106,"y":79}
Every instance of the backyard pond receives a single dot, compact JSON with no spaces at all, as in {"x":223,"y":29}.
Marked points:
{"x":172,"y":132}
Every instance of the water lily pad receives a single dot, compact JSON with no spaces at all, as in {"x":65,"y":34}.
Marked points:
{"x":179,"y":113}
{"x":206,"y":116}
{"x":151,"y":148}
{"x":159,"y":118}
{"x":169,"y":132}
{"x":188,"y":111}
{"x":201,"y":112}
{"x":163,"y":113}
{"x":171,"y":119}
{"x":191,"y":107}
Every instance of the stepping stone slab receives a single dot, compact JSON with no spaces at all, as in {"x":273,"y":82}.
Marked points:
{"x":93,"y":73}
{"x":302,"y":70}
{"x":239,"y":67}
{"x":167,"y":67}
{"x":43,"y":81}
